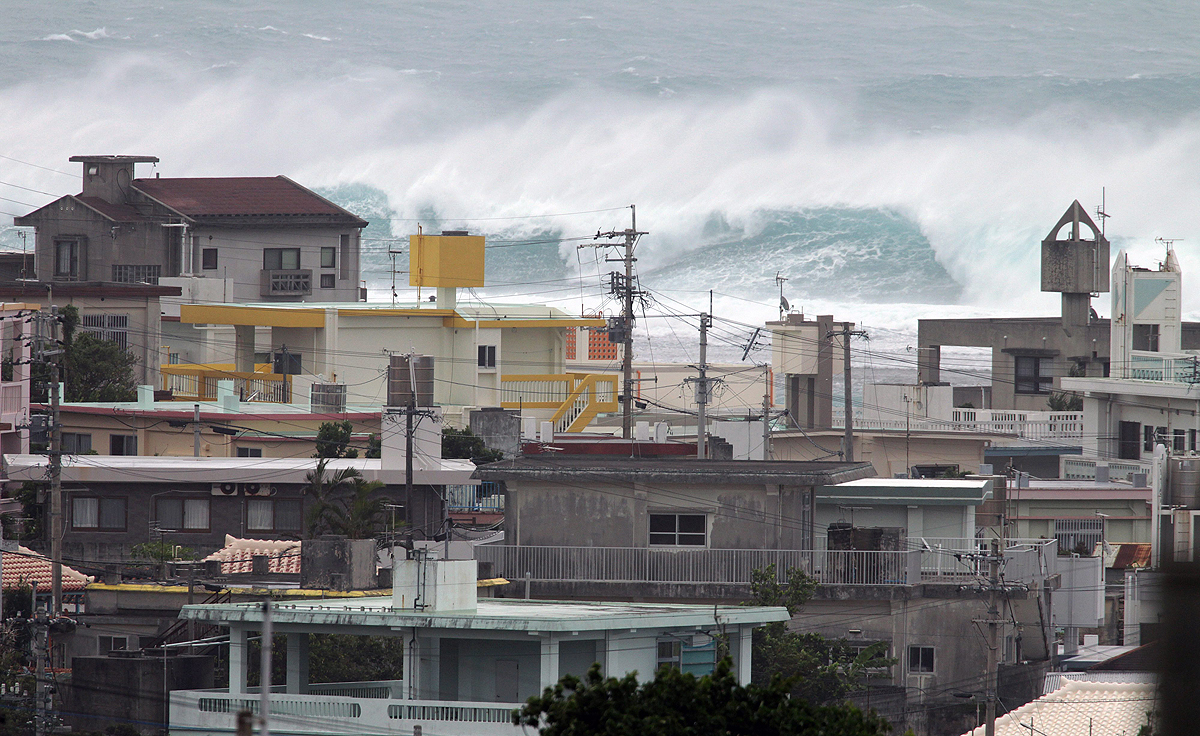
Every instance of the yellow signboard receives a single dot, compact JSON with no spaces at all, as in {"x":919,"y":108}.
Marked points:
{"x":445,"y":260}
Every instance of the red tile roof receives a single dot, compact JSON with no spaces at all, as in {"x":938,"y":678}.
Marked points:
{"x":24,"y":566}
{"x":248,"y":196}
{"x":117,"y":212}
{"x":238,"y":554}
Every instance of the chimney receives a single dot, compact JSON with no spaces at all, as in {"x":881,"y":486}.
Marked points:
{"x":109,"y":177}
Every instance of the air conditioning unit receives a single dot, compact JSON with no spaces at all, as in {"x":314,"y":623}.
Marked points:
{"x":224,"y":489}
{"x":259,"y":489}
{"x":247,"y":489}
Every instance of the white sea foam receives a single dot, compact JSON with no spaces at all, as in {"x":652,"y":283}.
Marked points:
{"x":983,"y":197}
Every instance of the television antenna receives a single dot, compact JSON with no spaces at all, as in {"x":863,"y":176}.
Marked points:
{"x":784,"y":307}
{"x":1101,"y":211}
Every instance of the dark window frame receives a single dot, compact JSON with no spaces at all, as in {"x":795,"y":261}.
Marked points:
{"x":100,"y":504}
{"x":275,"y":515}
{"x":328,"y":281}
{"x":923,"y":664}
{"x":486,"y":356}
{"x":126,"y":440}
{"x":1038,"y":377}
{"x":328,"y":256}
{"x":678,"y":529}
{"x":70,"y":443}
{"x":248,"y":452}
{"x":1145,"y":337}
{"x":76,"y":269}
{"x":208,"y":259}
{"x":182,"y":500}
{"x":274,"y":259}
{"x":344,"y":244}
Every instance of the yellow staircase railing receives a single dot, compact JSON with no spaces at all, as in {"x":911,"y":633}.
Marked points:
{"x":198,"y":382}
{"x":577,"y":397}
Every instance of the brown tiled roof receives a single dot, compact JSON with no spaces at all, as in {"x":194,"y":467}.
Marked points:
{"x":25,"y":566}
{"x":237,"y":556}
{"x":250,"y":196}
{"x":117,"y":212}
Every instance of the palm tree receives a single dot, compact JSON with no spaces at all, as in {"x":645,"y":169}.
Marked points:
{"x":323,"y":488}
{"x":357,"y":515}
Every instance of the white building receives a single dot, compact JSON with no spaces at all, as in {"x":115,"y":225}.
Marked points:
{"x":468,"y":662}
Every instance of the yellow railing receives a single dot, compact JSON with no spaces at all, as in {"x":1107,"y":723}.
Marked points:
{"x":578,"y":397}
{"x":198,"y":382}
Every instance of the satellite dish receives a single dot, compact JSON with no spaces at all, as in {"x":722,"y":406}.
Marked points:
{"x":783,"y":304}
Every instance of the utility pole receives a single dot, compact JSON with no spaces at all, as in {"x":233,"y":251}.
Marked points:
{"x":196,"y":431}
{"x":264,"y":675}
{"x":39,"y":667}
{"x":48,"y":332}
{"x":766,"y":418}
{"x":702,"y":390}
{"x":993,"y":635}
{"x":408,"y":440}
{"x":848,"y":440}
{"x":622,"y":286}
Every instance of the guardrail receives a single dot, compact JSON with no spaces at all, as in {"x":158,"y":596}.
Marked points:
{"x":1075,"y":467}
{"x":576,"y":397}
{"x":1026,"y":425}
{"x":485,"y":497}
{"x":199,"y":383}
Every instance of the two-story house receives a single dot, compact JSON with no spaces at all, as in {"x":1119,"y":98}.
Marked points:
{"x":272,"y":238}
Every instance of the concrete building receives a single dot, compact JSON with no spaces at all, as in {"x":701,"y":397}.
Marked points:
{"x":1031,"y":356}
{"x":920,"y":452}
{"x":468,"y":662}
{"x":229,"y":427}
{"x":127,"y":314}
{"x":297,"y":245}
{"x":1082,"y":514}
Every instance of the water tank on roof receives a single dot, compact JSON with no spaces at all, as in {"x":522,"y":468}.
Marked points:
{"x":1184,"y":482}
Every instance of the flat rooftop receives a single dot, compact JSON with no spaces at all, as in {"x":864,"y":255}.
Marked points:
{"x":674,"y":470}
{"x":493,"y":614}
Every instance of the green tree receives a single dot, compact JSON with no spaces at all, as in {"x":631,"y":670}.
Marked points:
{"x":466,"y":445}
{"x":680,"y":704}
{"x":93,"y":369}
{"x":161,"y":552}
{"x":1065,"y":401}
{"x":374,"y":447}
{"x":333,"y":440}
{"x":324,"y":488}
{"x":819,"y":669}
{"x":357,"y":514}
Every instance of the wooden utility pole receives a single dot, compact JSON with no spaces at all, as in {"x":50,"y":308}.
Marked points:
{"x":702,"y":390}
{"x":766,"y":418}
{"x":846,"y":333}
{"x":993,"y":635}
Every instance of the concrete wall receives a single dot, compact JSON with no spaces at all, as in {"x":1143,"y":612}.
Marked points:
{"x":608,"y":515}
{"x":240,"y":258}
{"x":890,"y":452}
{"x":104,"y":243}
{"x":108,"y":690}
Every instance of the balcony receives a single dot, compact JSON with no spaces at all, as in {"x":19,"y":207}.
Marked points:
{"x":198,"y":382}
{"x":577,"y":398}
{"x":342,"y":708}
{"x":1027,"y":425}
{"x":1164,"y":367}
{"x":286,"y":282}
{"x":934,"y":561}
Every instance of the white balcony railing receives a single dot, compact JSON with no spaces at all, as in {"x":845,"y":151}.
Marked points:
{"x":216,"y":711}
{"x":1167,"y":367}
{"x":936,"y":562}
{"x":1029,"y":425}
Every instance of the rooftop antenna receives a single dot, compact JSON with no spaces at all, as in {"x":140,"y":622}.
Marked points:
{"x":1101,"y":211}
{"x":1167,"y":243}
{"x":783,"y":303}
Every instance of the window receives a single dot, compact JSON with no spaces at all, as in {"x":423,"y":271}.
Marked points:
{"x":281,"y":259}
{"x":112,"y":644}
{"x":249,"y":452}
{"x":272,"y":514}
{"x":1191,"y":440}
{"x":345,"y":244}
{"x":670,"y":654}
{"x":1033,"y":375}
{"x":67,"y":264}
{"x":75,"y":443}
{"x":122,"y":444}
{"x":182,"y":513}
{"x":685,"y":530}
{"x":328,"y":257}
{"x":1179,"y":441}
{"x":1145,"y":337}
{"x":1078,"y":535}
{"x":328,"y":281}
{"x":104,"y":514}
{"x":920,"y":659}
{"x":1148,"y":438}
{"x":208,"y":259}
{"x":487,"y":356}
{"x":111,"y":327}
{"x":1130,"y":435}
{"x":123,"y":274}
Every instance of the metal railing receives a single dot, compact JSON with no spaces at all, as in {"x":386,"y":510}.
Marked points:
{"x":188,"y":382}
{"x":1166,"y":367}
{"x":1075,"y":467}
{"x":484,"y":497}
{"x":735,"y":566}
{"x":366,"y":689}
{"x":576,"y":397}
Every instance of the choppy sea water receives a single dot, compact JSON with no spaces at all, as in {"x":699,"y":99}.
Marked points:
{"x":891,"y":161}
